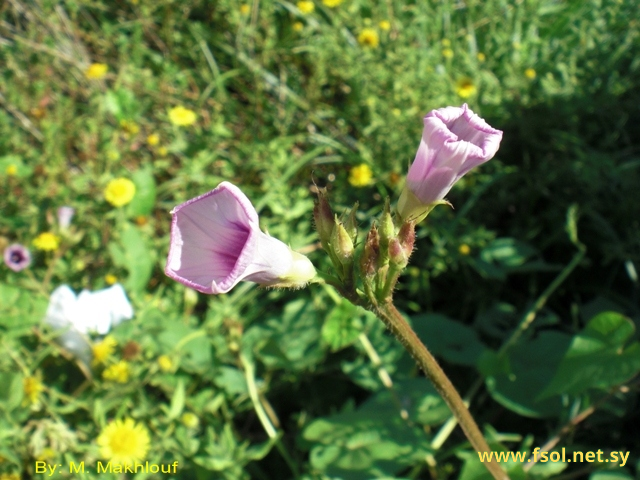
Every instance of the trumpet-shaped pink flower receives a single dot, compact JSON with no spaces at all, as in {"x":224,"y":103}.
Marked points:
{"x":454,"y":141}
{"x":17,"y":257}
{"x":216,"y":242}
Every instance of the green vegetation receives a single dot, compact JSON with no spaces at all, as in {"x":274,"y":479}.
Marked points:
{"x":526,"y":291}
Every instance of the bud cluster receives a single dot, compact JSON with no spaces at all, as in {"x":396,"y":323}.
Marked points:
{"x":380,"y":259}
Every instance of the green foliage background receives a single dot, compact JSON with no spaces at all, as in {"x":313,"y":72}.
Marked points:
{"x":527,"y":292}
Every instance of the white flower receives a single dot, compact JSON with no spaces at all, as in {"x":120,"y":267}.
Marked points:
{"x":88,"y":312}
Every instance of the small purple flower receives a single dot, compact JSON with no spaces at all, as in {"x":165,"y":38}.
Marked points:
{"x":216,"y":242}
{"x":454,"y":141}
{"x":17,"y":257}
{"x":65,"y":214}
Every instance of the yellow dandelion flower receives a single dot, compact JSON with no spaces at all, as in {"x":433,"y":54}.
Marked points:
{"x":153,"y":139}
{"x":11,"y":170}
{"x":465,"y":88}
{"x":110,"y":279}
{"x":385,"y":25}
{"x":46,"y":454}
{"x":182,"y":117}
{"x":447,"y":53}
{"x":129,"y":126}
{"x":446,"y":42}
{"x":102,"y":351}
{"x":119,"y":372}
{"x":481,"y":57}
{"x":245,"y":9}
{"x":47,"y":241}
{"x":369,"y":38}
{"x":298,"y":26}
{"x":530,"y":73}
{"x":464,"y":249}
{"x":163,"y":151}
{"x":165,"y":363}
{"x":9,"y":476}
{"x":119,"y":192}
{"x":190,"y":420}
{"x":332,"y":3}
{"x":96,"y":71}
{"x":361,"y":175}
{"x":32,"y":387}
{"x":306,"y":6}
{"x":124,"y":442}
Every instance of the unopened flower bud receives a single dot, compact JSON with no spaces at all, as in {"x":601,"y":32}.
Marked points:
{"x":387,"y":228}
{"x":397,"y":256}
{"x":341,"y":243}
{"x":324,"y":218}
{"x":369,"y":258}
{"x":351,"y":224}
{"x":407,"y":237}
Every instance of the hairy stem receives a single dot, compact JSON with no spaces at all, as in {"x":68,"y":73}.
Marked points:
{"x":388,"y":313}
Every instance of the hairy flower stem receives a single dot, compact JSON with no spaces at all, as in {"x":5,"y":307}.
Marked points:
{"x":392,"y":318}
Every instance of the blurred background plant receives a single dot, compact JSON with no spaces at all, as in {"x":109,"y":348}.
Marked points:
{"x":122,"y":110}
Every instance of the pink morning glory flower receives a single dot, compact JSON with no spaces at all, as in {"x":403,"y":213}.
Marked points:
{"x":17,"y":257}
{"x":216,"y":242}
{"x":454,"y":141}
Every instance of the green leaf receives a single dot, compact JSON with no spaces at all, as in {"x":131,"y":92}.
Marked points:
{"x":177,"y":401}
{"x":232,"y":380}
{"x":145,"y":197}
{"x":597,"y":357}
{"x":507,"y":252}
{"x":134,"y":254}
{"x":291,"y":340}
{"x":20,"y":309}
{"x":11,"y":391}
{"x":531,"y":365}
{"x":375,"y":441}
{"x":446,"y":338}
{"x":342,"y":326}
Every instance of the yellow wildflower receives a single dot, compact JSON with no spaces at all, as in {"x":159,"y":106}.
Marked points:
{"x":447,"y":53}
{"x":331,"y":3}
{"x":465,"y":88}
{"x":369,"y":38}
{"x":163,"y":151}
{"x":9,"y":476}
{"x":47,"y":241}
{"x":11,"y":170}
{"x":464,"y":249}
{"x":181,"y":116}
{"x":361,"y":175}
{"x":103,"y":350}
{"x":119,"y":192}
{"x":245,"y":9}
{"x":306,"y":6}
{"x":110,"y":279}
{"x":190,"y":420}
{"x":124,"y":442}
{"x":530,"y":73}
{"x":481,"y":57}
{"x":165,"y":363}
{"x":32,"y":388}
{"x":385,"y":25}
{"x":446,"y":42}
{"x":96,"y":71}
{"x":129,"y":126}
{"x":117,"y":373}
{"x":298,"y":26}
{"x":153,"y":139}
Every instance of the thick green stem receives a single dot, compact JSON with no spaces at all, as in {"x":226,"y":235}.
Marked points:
{"x":388,"y":313}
